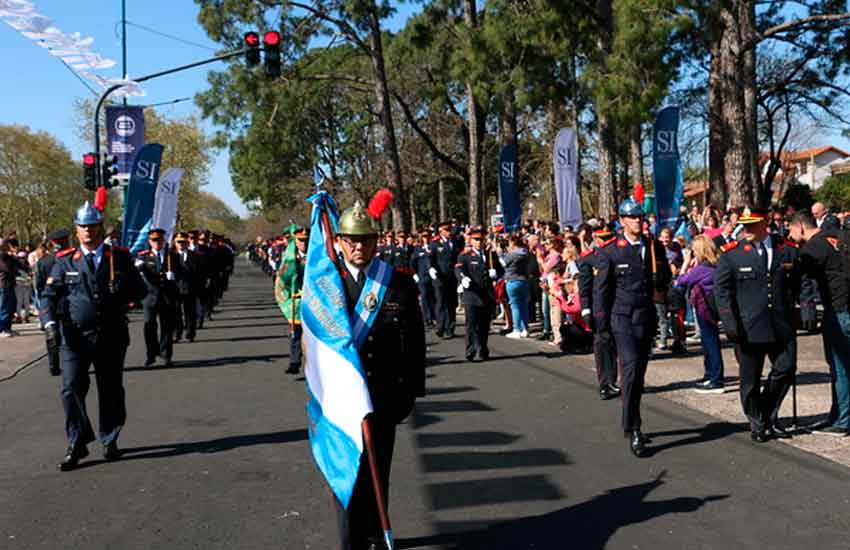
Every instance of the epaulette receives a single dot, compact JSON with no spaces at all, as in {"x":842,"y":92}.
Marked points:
{"x":792,"y":244}
{"x":609,"y":241}
{"x":622,"y":243}
{"x":435,"y":239}
{"x":65,"y":252}
{"x":587,"y":252}
{"x":729,"y":246}
{"x":404,"y":270}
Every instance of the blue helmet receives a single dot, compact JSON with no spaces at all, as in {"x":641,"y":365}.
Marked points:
{"x":88,"y":215}
{"x":630,"y":207}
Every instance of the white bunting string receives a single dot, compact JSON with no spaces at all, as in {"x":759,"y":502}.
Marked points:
{"x":72,"y":48}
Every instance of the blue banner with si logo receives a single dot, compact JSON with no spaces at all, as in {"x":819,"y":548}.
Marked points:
{"x":667,"y":167}
{"x":509,"y":188}
{"x":125,"y":134}
{"x":141,"y":193}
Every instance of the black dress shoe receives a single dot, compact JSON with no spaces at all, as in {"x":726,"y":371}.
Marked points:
{"x":72,"y":457}
{"x":760,"y":436}
{"x":55,"y":372}
{"x":777,"y":432}
{"x":485,"y":356}
{"x":293,"y":369}
{"x":616,"y":388}
{"x":168,"y":363}
{"x":470,"y":358}
{"x":605,"y":393}
{"x":150,"y":361}
{"x":545,"y":336}
{"x":111,"y":451}
{"x":637,"y":444}
{"x":438,"y":333}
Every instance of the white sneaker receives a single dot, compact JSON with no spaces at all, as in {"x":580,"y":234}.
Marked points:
{"x":5,"y":334}
{"x":523,"y":334}
{"x":513,"y":335}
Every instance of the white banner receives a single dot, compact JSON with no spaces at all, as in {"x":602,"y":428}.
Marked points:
{"x":165,"y":202}
{"x":566,"y":172}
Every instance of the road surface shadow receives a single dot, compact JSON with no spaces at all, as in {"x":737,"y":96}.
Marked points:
{"x":586,"y":525}
{"x":694,"y":436}
{"x":217,"y":362}
{"x":214,"y":445}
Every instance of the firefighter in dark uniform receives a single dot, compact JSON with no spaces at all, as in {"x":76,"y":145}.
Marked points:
{"x":604,"y":350}
{"x":386,"y":248}
{"x":754,"y":289}
{"x":393,"y":359}
{"x":476,"y":276}
{"x":202,"y":276}
{"x":632,"y":274}
{"x":401,"y":251}
{"x":288,"y":288}
{"x":59,"y":240}
{"x":161,"y":271}
{"x":187,"y":287}
{"x":420,"y":263}
{"x":444,"y":253}
{"x":86,"y":301}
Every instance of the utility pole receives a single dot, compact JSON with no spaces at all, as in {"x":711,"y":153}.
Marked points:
{"x":124,"y":193}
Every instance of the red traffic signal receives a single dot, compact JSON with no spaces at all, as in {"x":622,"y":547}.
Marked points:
{"x":271,"y":38}
{"x":89,"y":159}
{"x":252,"y":39}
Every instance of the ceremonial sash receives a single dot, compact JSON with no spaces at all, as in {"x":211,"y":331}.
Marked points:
{"x":378,"y":277}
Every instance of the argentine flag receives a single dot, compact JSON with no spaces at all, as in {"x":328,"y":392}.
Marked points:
{"x":339,"y":398}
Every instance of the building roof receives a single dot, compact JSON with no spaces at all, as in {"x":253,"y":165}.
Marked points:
{"x":806,"y":154}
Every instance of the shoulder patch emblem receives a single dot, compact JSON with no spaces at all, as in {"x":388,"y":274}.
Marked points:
{"x":729,"y":246}
{"x":609,"y":241}
{"x":622,"y":243}
{"x":748,"y":248}
{"x":833,"y":242}
{"x":586,"y":253}
{"x":65,"y":252}
{"x":77,"y":255}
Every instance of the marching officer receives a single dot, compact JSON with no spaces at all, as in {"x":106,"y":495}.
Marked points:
{"x":187,"y":287}
{"x":604,"y":350}
{"x":86,"y":301}
{"x":59,"y":240}
{"x":393,"y":358}
{"x":401,"y":252}
{"x":420,"y":263}
{"x":754,"y":289}
{"x":202,"y":276}
{"x":632,"y":274}
{"x":288,"y":285}
{"x":444,"y":253}
{"x":161,"y":271}
{"x":476,"y":276}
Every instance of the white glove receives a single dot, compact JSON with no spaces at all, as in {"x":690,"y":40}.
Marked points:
{"x":169,"y":275}
{"x":138,"y":263}
{"x":415,"y":277}
{"x":433,"y":273}
{"x":465,"y":282}
{"x":492,"y":273}
{"x":459,"y":289}
{"x":585,"y":311}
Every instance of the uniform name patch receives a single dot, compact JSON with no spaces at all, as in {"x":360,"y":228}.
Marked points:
{"x":745,"y":269}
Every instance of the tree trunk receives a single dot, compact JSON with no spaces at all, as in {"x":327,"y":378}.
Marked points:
{"x":717,"y":131}
{"x":400,"y":211}
{"x":607,"y":146}
{"x":636,"y":153}
{"x":476,"y":128}
{"x":441,"y":197}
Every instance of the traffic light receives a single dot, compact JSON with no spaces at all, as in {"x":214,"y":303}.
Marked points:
{"x":252,"y":54}
{"x":271,"y":41}
{"x":110,"y":172}
{"x":90,"y":171}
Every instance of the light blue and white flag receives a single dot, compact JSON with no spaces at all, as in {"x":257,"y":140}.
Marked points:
{"x":339,"y":398}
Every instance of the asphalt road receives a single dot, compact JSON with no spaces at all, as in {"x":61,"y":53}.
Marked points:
{"x":514,"y":453}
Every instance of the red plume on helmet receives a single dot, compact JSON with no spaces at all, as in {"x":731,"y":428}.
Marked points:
{"x":100,"y":198}
{"x":639,"y":193}
{"x":379,"y":202}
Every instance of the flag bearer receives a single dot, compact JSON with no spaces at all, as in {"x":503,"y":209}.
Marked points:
{"x":288,"y":285}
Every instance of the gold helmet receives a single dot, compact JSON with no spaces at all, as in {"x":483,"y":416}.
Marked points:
{"x":357,"y":221}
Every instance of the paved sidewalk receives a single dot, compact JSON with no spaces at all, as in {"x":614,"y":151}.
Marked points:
{"x":674,"y":377}
{"x":26,"y":346}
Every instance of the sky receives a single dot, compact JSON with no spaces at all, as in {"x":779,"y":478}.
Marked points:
{"x":39,"y":92}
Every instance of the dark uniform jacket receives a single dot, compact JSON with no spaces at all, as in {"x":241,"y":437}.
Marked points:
{"x":420,"y":262}
{"x":588,"y":262}
{"x":821,"y":258}
{"x":160,"y":289}
{"x":444,"y":258}
{"x":477,"y":267}
{"x":91,"y":305}
{"x":623,"y":288}
{"x":42,"y":272}
{"x":393,"y":355}
{"x":755,"y":305}
{"x":201,"y":276}
{"x":188,"y":284}
{"x":400,"y":256}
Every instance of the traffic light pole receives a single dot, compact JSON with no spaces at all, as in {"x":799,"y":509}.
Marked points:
{"x":111,"y":89}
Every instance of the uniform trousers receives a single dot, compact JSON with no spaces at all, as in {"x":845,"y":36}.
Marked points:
{"x":477,"y":329}
{"x":160,"y":322}
{"x":187,"y":319}
{"x":106,"y":352}
{"x":361,"y":522}
{"x":605,"y":356}
{"x":761,"y":404}
{"x":445,"y":293}
{"x":426,"y":300}
{"x":295,"y":332}
{"x":633,"y":352}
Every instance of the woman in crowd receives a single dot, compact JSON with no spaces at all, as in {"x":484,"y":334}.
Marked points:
{"x":698,"y":276}
{"x":517,"y":264}
{"x":578,"y":337}
{"x":551,"y":271}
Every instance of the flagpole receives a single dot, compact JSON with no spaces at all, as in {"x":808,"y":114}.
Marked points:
{"x":366,"y":425}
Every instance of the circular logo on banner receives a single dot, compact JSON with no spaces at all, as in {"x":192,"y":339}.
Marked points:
{"x":125,"y":126}
{"x":370,"y":301}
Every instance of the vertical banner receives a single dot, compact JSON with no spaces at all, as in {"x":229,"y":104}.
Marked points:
{"x":140,"y":197}
{"x":566,"y":178}
{"x":125,"y":134}
{"x":165,"y":202}
{"x":667,"y":168}
{"x":508,"y":188}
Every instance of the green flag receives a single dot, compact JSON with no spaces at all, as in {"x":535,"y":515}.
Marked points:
{"x":286,"y":285}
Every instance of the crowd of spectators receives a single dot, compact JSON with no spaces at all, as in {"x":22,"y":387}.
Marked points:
{"x":18,"y":301}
